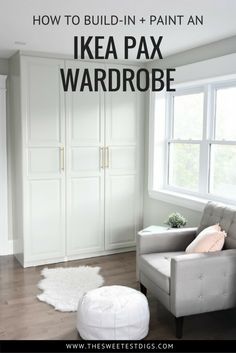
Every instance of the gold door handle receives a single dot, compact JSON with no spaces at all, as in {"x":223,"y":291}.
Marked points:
{"x":101,"y":157}
{"x":62,"y":158}
{"x":107,"y":157}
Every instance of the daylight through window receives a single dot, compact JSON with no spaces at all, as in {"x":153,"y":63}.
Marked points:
{"x":199,"y":141}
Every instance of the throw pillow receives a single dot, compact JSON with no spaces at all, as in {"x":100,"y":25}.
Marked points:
{"x":209,"y":239}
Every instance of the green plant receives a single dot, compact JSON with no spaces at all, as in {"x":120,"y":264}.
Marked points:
{"x":176,"y":220}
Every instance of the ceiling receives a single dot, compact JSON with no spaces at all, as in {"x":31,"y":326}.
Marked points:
{"x":16,"y":24}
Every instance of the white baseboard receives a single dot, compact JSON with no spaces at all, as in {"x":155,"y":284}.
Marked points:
{"x":10,"y":247}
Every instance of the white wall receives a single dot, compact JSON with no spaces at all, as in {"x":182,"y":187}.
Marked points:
{"x":4,"y":69}
{"x":3,"y":66}
{"x":191,"y":65}
{"x":3,"y":170}
{"x":202,"y":53}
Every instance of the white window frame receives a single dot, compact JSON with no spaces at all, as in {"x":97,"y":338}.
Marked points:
{"x":158,"y":144}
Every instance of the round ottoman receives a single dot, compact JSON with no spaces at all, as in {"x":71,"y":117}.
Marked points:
{"x":113,"y":313}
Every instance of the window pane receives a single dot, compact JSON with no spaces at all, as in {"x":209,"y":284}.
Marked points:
{"x":226,"y":113}
{"x":223,"y":171}
{"x":188,"y":116}
{"x":184,"y":165}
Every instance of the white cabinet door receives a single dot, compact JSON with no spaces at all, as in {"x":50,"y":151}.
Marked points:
{"x":121,"y":187}
{"x":44,"y":140}
{"x":85,"y":177}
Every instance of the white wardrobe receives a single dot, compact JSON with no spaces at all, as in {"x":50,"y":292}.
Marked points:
{"x":78,"y":185}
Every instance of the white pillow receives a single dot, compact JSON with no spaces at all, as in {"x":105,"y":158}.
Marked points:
{"x":210,"y":239}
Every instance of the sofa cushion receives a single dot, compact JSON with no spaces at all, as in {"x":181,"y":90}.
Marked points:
{"x":225,"y":216}
{"x":210,"y":239}
{"x":157,"y":268}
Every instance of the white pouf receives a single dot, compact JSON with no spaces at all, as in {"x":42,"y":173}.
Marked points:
{"x":113,"y":313}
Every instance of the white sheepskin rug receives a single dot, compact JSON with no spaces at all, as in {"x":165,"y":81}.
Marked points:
{"x":63,"y":287}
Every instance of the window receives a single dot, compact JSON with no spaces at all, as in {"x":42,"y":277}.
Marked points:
{"x":223,"y":144}
{"x":193,"y":149}
{"x":184,"y":140}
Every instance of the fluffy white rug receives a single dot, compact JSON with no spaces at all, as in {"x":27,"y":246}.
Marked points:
{"x":63,"y":287}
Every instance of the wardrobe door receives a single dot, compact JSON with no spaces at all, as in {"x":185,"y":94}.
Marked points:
{"x":85,"y":175}
{"x":44,"y":174}
{"x":122,"y":185}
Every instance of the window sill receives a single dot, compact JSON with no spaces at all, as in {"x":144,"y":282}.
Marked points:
{"x":183,"y":200}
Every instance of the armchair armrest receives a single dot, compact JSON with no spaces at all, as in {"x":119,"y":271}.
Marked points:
{"x":203,"y":282}
{"x":169,"y":240}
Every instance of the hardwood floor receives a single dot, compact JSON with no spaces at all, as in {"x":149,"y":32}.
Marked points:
{"x":22,"y":316}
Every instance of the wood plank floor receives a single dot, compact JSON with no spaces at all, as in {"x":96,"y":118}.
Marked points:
{"x":22,"y":316}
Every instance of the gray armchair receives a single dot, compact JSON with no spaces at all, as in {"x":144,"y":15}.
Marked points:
{"x":188,"y":284}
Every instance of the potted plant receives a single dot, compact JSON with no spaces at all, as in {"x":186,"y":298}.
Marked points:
{"x":176,"y":220}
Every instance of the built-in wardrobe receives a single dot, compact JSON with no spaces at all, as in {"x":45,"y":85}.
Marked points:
{"x":77,"y":164}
